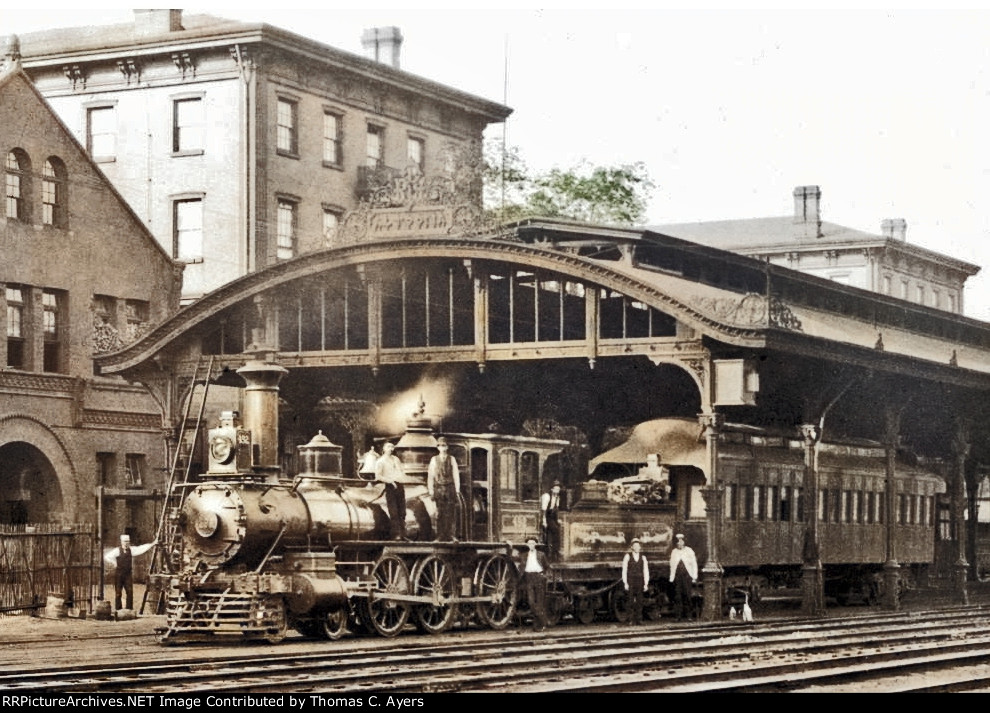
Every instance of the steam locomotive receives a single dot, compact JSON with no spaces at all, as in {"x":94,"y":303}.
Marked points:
{"x":257,"y":553}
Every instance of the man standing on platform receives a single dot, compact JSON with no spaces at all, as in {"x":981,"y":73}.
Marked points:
{"x":635,"y":579}
{"x":683,"y":573}
{"x":123,"y":559}
{"x":444,"y":485}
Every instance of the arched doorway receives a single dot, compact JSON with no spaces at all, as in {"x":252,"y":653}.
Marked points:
{"x":29,"y":488}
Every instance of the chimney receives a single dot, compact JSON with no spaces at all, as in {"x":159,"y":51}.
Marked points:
{"x":382,"y":44}
{"x":12,"y":56}
{"x":155,"y":22}
{"x":894,"y":229}
{"x":807,"y":211}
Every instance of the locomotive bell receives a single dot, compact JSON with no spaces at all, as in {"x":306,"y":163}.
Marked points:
{"x":319,"y":458}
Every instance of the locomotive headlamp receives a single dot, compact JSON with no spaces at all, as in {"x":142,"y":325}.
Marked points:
{"x":222,"y":449}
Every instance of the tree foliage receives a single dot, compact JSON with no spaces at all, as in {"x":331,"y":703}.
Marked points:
{"x":584,"y":192}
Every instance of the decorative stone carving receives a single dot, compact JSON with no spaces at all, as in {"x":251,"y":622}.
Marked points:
{"x":751,"y":310}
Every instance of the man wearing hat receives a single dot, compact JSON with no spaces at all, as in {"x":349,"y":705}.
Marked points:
{"x":635,"y":579}
{"x":122,"y":558}
{"x":443,"y":481}
{"x":549,"y":504}
{"x":683,"y":573}
{"x":534,"y":567}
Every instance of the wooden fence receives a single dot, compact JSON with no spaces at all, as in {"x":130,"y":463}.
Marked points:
{"x":47,"y":559}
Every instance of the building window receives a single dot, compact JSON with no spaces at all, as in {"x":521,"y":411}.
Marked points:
{"x":101,"y":133}
{"x":951,"y":300}
{"x":18,"y":177}
{"x":887,"y":286}
{"x":286,"y":137}
{"x":187,"y":221}
{"x":375,"y":155}
{"x":331,"y":226}
{"x":920,"y":293}
{"x":285,"y":230}
{"x":935,"y":298}
{"x":332,"y":147}
{"x":52,"y":329}
{"x":137,"y":319}
{"x":15,"y":327}
{"x":188,"y":125}
{"x":135,"y":470}
{"x":904,"y":289}
{"x":106,"y":465}
{"x":416,"y":153}
{"x":53,"y":193}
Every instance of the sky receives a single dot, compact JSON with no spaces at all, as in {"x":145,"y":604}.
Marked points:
{"x":729,"y":108}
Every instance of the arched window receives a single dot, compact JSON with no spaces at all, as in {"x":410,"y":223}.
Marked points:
{"x":53,"y":193}
{"x":17,"y":169}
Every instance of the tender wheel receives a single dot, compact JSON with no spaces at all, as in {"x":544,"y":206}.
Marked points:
{"x":653,"y":603}
{"x":555,"y":608}
{"x":333,"y":624}
{"x":387,"y":616}
{"x":619,"y":605}
{"x":584,"y":609}
{"x":498,"y":581}
{"x":433,"y":577}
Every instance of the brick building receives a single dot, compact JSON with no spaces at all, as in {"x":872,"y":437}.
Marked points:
{"x":241,"y":144}
{"x":80,"y":274}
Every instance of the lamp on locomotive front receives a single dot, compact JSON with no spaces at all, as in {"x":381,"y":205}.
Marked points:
{"x":229,"y":445}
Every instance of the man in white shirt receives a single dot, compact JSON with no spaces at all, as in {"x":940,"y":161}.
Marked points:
{"x":535,"y":567}
{"x":635,"y":579}
{"x":683,"y":573}
{"x":122,"y":558}
{"x":389,"y":470}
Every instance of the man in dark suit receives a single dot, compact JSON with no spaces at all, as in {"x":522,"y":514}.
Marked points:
{"x":534,"y":568}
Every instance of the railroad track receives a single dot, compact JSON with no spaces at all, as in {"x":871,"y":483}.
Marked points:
{"x":784,"y":654}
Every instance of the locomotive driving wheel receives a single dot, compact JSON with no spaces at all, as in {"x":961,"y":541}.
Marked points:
{"x":498,"y":581}
{"x":384,"y":615}
{"x":433,"y":578}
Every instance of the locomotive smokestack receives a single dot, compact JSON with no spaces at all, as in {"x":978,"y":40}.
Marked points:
{"x":260,"y":412}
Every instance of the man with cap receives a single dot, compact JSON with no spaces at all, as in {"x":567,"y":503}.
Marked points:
{"x":534,"y":567}
{"x":443,"y":482}
{"x":635,"y":579}
{"x":683,"y":573}
{"x":122,"y":558}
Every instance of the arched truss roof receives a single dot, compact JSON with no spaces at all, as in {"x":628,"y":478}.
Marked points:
{"x":654,"y":292}
{"x":734,"y":318}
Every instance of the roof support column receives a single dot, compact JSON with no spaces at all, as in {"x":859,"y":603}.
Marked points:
{"x":711,"y":423}
{"x":812,"y":578}
{"x":891,"y":569}
{"x":960,"y":446}
{"x":480,"y":316}
{"x":591,"y":316}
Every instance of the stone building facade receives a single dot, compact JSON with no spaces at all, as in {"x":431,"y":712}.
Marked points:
{"x":80,"y":274}
{"x":885,"y":262}
{"x":241,"y":144}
